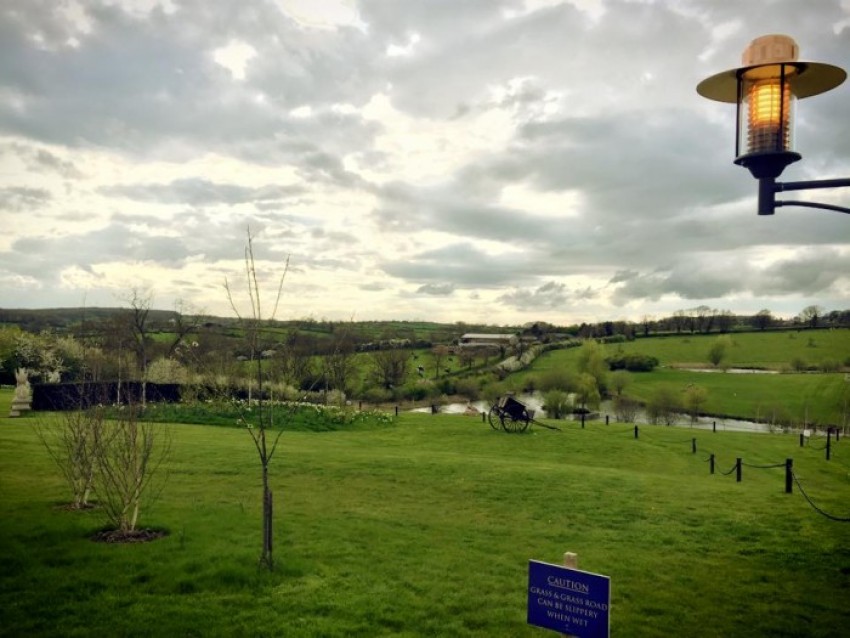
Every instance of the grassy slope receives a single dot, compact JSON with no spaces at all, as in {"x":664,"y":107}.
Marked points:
{"x":426,"y":529}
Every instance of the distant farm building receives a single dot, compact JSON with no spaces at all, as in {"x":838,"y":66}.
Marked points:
{"x":484,"y":340}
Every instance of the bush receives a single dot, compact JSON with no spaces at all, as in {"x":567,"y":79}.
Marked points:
{"x":468,"y":388}
{"x":556,"y":379}
{"x":626,"y":409}
{"x":633,"y":362}
{"x":663,"y":406}
{"x":798,"y":364}
{"x":377,"y":394}
{"x":829,"y":365}
{"x":419,"y":390}
{"x":557,"y":404}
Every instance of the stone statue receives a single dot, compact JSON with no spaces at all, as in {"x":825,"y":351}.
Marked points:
{"x":23,"y":393}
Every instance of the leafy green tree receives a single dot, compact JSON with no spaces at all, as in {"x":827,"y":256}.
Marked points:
{"x":663,"y":405}
{"x":557,"y":404}
{"x":587,"y":391}
{"x":719,"y":351}
{"x":556,"y":379}
{"x":620,"y":380}
{"x":591,"y":361}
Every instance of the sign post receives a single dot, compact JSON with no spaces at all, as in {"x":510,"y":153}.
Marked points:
{"x":568,"y":600}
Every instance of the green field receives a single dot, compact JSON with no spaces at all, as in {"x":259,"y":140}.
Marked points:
{"x":425,"y":528}
{"x":813,"y":398}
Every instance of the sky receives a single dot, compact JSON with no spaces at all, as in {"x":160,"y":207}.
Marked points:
{"x":484,"y":161}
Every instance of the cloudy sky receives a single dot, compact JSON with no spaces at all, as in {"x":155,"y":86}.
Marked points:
{"x":495,"y":161}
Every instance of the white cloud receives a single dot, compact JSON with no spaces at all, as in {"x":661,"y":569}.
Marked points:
{"x":491,"y":160}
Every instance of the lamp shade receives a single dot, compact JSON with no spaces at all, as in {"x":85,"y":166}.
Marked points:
{"x":762,"y":57}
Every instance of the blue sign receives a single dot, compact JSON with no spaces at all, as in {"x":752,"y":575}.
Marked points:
{"x":568,"y":600}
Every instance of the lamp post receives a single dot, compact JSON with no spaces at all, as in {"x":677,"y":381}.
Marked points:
{"x":765,"y":90}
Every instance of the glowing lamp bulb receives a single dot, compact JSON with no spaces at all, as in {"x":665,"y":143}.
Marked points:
{"x":769,"y":105}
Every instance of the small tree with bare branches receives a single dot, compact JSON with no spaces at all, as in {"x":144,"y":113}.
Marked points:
{"x":70,"y":442}
{"x":261,"y":419}
{"x":128,"y":453}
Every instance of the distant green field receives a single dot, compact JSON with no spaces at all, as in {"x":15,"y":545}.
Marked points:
{"x":815,"y":398}
{"x":769,"y":350}
{"x":425,"y":528}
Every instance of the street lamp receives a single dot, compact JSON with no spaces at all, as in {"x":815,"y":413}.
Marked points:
{"x":765,"y":89}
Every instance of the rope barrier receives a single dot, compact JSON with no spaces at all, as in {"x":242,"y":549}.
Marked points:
{"x":734,"y":467}
{"x":763,"y":467}
{"x":815,"y":507}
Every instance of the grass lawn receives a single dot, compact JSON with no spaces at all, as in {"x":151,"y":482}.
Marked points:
{"x":425,"y":528}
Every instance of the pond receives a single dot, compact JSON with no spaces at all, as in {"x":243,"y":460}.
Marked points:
{"x":732,"y":370}
{"x":534,"y":401}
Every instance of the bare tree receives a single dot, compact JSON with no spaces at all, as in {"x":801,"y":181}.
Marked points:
{"x":70,"y":442}
{"x":439,"y":353}
{"x":139,"y":332}
{"x":762,"y":319}
{"x":262,"y":418}
{"x":390,"y":366}
{"x":128,"y":454}
{"x":811,"y":315}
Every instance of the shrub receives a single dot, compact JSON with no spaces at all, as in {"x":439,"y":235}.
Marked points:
{"x":557,"y":404}
{"x":556,"y":379}
{"x":377,"y":395}
{"x":419,"y":390}
{"x":798,"y":364}
{"x":829,"y":365}
{"x":468,"y":388}
{"x":663,"y":406}
{"x":633,"y":362}
{"x":626,"y":409}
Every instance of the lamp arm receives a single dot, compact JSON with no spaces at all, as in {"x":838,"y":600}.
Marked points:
{"x":839,"y":209}
{"x":768,"y":188}
{"x":817,"y":183}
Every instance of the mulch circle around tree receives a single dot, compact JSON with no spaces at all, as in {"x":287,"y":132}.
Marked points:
{"x":135,"y":536}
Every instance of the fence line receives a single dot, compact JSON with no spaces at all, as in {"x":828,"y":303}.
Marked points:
{"x":815,"y":507}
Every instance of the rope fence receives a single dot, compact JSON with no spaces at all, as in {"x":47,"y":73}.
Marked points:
{"x":790,"y":477}
{"x":831,"y":517}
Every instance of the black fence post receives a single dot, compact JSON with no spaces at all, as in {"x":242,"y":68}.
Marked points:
{"x":714,"y":426}
{"x":738,"y":470}
{"x":636,"y":431}
{"x":582,"y":420}
{"x":837,"y":435}
{"x":396,"y":410}
{"x":607,"y":417}
{"x":828,"y":443}
{"x":483,"y":417}
{"x":694,"y":445}
{"x":711,"y":464}
{"x":802,"y":439}
{"x":789,"y":475}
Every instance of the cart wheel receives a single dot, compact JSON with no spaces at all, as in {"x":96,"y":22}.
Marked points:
{"x":494,"y":418}
{"x":510,"y":424}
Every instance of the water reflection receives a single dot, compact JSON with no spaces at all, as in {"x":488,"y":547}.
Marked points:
{"x":534,"y":401}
